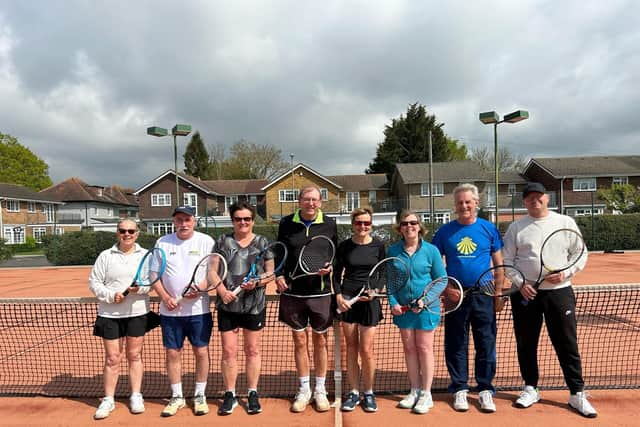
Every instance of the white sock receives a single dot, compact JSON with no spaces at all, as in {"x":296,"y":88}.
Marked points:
{"x":251,"y":389}
{"x":110,"y":398}
{"x":136,"y":394}
{"x":304,"y":384}
{"x":320,"y":383}
{"x":176,"y":390}
{"x":370,"y":391}
{"x":232,"y":391}
{"x":200,"y":388}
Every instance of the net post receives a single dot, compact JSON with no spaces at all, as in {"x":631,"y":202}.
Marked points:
{"x":337,"y":374}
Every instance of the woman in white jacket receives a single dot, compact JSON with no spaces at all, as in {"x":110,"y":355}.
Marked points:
{"x":121,"y":321}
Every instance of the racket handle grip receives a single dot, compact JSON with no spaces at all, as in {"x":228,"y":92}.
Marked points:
{"x":236,"y":291}
{"x":178,"y":298}
{"x":126,"y":292}
{"x":350,"y":302}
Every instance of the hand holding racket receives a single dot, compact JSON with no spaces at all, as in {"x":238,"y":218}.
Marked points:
{"x":498,"y":281}
{"x":316,"y":257}
{"x":441,"y":296}
{"x":266,"y":265}
{"x":150,"y":269}
{"x":207,"y":275}
{"x":386,"y":278}
{"x":560,"y":251}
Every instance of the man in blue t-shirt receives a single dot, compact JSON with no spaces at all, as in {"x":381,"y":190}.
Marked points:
{"x":469,"y":246}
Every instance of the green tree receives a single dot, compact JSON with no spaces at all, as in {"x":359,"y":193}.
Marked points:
{"x":18,"y":165}
{"x":624,"y":198}
{"x":253,"y":161}
{"x":507,"y":161}
{"x":406,"y":141}
{"x":196,"y":158}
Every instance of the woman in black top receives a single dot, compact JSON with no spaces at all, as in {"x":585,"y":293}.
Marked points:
{"x":355,"y":257}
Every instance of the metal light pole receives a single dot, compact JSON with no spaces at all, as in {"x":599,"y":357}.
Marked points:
{"x":178,"y":130}
{"x":293,"y":186}
{"x":491,"y":117}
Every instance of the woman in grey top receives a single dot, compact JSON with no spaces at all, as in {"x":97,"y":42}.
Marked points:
{"x":246,"y":309}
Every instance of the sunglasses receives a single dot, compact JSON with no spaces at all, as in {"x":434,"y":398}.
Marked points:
{"x":125,"y":231}
{"x":362,"y":223}
{"x":405,"y":223}
{"x":242,"y":219}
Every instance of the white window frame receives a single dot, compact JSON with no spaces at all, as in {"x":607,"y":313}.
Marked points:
{"x":287,"y":195}
{"x":324,"y":194}
{"x":511,"y":189}
{"x":13,"y":205}
{"x":48,"y":210}
{"x":440,"y":217}
{"x":39,"y":233}
{"x":373,"y":196}
{"x":31,"y":207}
{"x":161,"y":199}
{"x":59,"y":231}
{"x":352,"y":200}
{"x":190,"y":199}
{"x":491,"y":199}
{"x":587,"y":211}
{"x":253,"y":200}
{"x":584,"y":184}
{"x":161,"y":228}
{"x":619,"y":180}
{"x":438,"y":189}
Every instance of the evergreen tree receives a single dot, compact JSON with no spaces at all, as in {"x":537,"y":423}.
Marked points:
{"x":196,"y":158}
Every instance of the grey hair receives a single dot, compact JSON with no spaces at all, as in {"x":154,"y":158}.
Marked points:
{"x":467,"y":187}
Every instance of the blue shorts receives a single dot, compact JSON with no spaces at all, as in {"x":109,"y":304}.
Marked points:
{"x":196,"y":328}
{"x":423,"y":321}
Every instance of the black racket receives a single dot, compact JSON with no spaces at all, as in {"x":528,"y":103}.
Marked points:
{"x":386,"y":278}
{"x":560,"y":251}
{"x":316,"y":254}
{"x":207,"y":275}
{"x":441,"y":296}
{"x":150,"y":269}
{"x":265,"y":266}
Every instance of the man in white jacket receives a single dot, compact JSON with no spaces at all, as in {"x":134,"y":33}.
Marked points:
{"x":554,"y":301}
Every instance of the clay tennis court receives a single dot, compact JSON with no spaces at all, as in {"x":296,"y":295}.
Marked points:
{"x":616,"y":407}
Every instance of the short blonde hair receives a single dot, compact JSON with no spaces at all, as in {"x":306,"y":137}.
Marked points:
{"x":361,"y":211}
{"x":405,"y":213}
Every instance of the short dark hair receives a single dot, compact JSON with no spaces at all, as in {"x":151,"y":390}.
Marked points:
{"x":238,"y":206}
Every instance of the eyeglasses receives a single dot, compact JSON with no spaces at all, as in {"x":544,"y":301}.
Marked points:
{"x":310,"y":200}
{"x":405,"y":223}
{"x":125,"y":231}
{"x":243,"y":218}
{"x":362,"y":223}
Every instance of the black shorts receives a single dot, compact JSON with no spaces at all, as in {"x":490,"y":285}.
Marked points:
{"x":228,"y":321}
{"x":365,"y":313}
{"x":300,"y":312}
{"x":114,"y":328}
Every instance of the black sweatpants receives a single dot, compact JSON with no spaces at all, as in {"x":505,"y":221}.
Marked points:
{"x":558,"y":310}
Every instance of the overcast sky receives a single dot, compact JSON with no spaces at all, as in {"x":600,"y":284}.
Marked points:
{"x":80,"y":81}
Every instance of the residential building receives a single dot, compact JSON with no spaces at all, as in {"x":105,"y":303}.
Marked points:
{"x":25,"y":212}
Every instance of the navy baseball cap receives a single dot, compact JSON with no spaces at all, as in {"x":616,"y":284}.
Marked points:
{"x":185,"y":210}
{"x":533,"y":187}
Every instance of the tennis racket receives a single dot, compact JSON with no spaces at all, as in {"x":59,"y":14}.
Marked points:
{"x":441,"y":296}
{"x":267,"y":263}
{"x":150,"y":269}
{"x":560,"y":251}
{"x":316,"y":254}
{"x":499,"y":280}
{"x":386,"y":278}
{"x":210,"y":271}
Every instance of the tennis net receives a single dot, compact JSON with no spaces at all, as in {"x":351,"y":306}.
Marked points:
{"x":47,"y":348}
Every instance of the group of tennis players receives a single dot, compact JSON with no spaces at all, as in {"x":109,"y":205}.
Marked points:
{"x":462,"y":248}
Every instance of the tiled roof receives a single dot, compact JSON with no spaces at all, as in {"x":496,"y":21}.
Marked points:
{"x":590,"y":166}
{"x":76,"y":190}
{"x":19,"y":192}
{"x":237,"y":186}
{"x":362,"y":182}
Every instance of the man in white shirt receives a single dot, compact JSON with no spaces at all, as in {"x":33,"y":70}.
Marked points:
{"x":191,"y":317}
{"x":554,"y":301}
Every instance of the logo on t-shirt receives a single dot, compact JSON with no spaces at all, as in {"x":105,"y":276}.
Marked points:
{"x":466,"y":246}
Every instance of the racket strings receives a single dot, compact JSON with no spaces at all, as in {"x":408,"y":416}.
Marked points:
{"x":561,"y":250}
{"x":151,"y":268}
{"x":314,"y":258}
{"x":451,"y":296}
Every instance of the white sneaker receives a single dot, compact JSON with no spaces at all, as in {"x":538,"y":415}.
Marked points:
{"x":460,"y":403}
{"x":528,"y":397}
{"x":580,"y":403}
{"x":486,"y":401}
{"x":322,"y":403}
{"x":303,"y":397}
{"x":136,"y":403}
{"x":410,"y":400}
{"x":107,"y":405}
{"x":424,"y":403}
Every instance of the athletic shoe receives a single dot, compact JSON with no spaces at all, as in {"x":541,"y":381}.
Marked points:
{"x":322,"y":403}
{"x":229,"y":402}
{"x":253,"y":405}
{"x":460,"y":402}
{"x":486,"y":401}
{"x":410,"y":400}
{"x":107,"y":405}
{"x":200,"y":406}
{"x":176,"y":402}
{"x":350,"y":402}
{"x":369,"y":403}
{"x":424,"y":403}
{"x":580,"y":403}
{"x":136,"y":403}
{"x":528,"y":397}
{"x":302,"y":399}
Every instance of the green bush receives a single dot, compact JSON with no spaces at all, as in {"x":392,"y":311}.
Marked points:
{"x":611,"y":232}
{"x":29,"y":246}
{"x":6,"y":251}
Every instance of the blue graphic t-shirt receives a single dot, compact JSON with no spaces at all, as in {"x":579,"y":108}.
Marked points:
{"x":468,"y":248}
